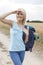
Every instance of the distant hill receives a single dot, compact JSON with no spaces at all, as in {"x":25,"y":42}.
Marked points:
{"x":35,"y":21}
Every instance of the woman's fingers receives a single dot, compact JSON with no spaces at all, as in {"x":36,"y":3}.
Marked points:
{"x":15,"y":12}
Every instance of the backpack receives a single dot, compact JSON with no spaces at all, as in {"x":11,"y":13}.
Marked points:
{"x":29,"y":45}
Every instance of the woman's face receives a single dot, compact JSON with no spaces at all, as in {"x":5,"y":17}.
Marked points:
{"x":20,"y":16}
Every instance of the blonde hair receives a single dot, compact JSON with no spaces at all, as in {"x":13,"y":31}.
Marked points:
{"x":24,"y":13}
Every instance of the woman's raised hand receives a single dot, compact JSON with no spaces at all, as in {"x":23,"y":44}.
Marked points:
{"x":14,"y":12}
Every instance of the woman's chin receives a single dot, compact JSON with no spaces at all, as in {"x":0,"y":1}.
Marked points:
{"x":19,"y":19}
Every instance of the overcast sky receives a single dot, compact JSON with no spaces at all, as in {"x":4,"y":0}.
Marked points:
{"x":28,"y":1}
{"x":34,"y":8}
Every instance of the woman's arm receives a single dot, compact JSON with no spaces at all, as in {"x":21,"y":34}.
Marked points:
{"x":27,"y":34}
{"x":6,"y":21}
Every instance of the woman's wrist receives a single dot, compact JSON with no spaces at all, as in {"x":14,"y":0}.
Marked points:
{"x":7,"y":14}
{"x":14,"y":12}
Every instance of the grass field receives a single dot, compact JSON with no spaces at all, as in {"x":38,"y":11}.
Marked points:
{"x":39,"y":29}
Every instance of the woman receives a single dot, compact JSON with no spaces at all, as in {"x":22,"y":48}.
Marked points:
{"x":17,"y":46}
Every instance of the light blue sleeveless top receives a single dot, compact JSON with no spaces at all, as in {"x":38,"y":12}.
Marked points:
{"x":16,"y":42}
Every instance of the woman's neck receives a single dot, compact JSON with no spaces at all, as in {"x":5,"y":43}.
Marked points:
{"x":20,"y":24}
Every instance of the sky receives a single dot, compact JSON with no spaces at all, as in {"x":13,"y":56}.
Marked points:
{"x":28,"y":1}
{"x":34,"y":8}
